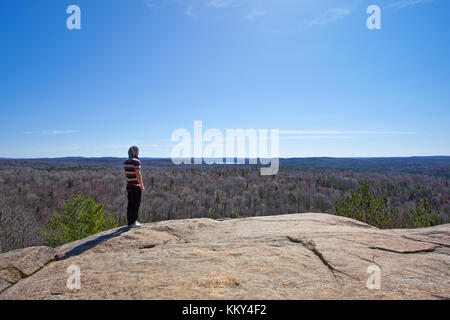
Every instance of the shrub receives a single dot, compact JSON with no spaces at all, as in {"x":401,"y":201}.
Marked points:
{"x":213,"y":214}
{"x":365,"y":207}
{"x":236,"y":215}
{"x":424,"y":215}
{"x":81,"y":218}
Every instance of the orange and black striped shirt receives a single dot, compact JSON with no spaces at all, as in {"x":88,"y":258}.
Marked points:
{"x":129,"y":166}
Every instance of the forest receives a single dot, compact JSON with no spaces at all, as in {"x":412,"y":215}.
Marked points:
{"x":32,"y":191}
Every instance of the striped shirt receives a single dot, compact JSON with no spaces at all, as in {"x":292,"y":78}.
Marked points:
{"x":129,"y":166}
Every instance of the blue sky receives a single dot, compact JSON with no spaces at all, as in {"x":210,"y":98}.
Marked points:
{"x":139,"y":69}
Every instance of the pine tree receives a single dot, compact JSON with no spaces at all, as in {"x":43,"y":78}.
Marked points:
{"x":81,"y":218}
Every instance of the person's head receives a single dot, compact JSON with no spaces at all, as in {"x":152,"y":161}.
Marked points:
{"x":133,"y":152}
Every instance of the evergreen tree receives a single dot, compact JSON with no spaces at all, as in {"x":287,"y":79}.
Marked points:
{"x":81,"y":218}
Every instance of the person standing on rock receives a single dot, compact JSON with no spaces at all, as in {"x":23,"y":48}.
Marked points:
{"x":135,"y":185}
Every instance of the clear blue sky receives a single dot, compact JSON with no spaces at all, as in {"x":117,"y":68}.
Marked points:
{"x":139,"y":69}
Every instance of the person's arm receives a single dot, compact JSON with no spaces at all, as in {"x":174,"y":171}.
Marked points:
{"x":139,"y":177}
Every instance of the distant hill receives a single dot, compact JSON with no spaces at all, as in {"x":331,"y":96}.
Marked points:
{"x":433,"y":165}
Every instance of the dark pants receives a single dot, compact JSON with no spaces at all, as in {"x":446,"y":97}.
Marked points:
{"x":134,"y":202}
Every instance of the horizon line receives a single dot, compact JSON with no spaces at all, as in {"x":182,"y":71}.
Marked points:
{"x":169,"y":158}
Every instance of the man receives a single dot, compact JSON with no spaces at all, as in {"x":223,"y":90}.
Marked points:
{"x":135,"y":186}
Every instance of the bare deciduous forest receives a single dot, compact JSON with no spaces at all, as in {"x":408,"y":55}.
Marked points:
{"x":31,"y":191}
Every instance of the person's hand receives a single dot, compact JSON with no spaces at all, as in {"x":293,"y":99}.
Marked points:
{"x":142,"y":189}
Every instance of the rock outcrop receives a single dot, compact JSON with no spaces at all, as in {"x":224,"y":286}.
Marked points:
{"x":294,"y":256}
